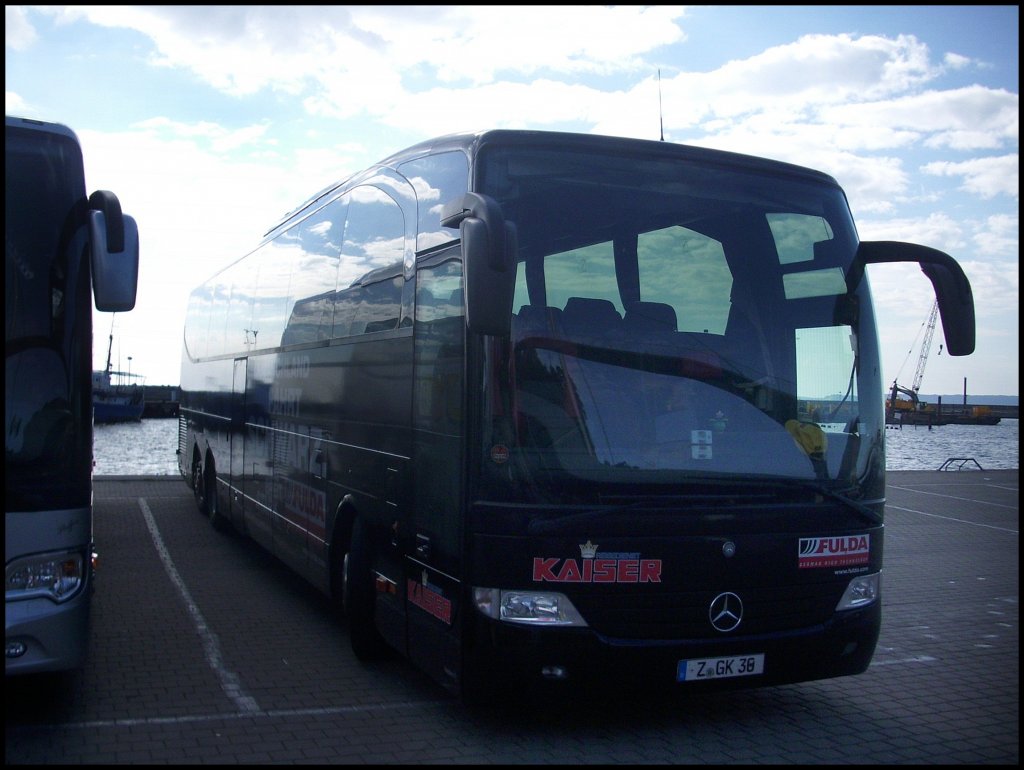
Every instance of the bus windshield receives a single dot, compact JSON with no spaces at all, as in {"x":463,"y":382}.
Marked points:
{"x":48,"y":414}
{"x":676,"y":321}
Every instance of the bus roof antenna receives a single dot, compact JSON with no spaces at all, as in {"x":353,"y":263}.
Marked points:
{"x":661,"y":119}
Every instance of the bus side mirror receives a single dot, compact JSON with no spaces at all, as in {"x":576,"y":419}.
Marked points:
{"x":952,"y":288}
{"x":114,"y":244}
{"x":489,"y":247}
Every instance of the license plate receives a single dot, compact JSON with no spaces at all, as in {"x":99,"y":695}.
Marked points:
{"x":719,"y":668}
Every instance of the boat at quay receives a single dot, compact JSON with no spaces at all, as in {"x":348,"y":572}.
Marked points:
{"x":117,"y":396}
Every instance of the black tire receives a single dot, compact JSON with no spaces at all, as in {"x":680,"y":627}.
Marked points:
{"x":357,"y":595}
{"x":205,"y":489}
{"x":199,"y":486}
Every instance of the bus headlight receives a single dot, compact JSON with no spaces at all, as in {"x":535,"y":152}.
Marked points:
{"x":542,"y":608}
{"x":57,"y":576}
{"x":860,"y":592}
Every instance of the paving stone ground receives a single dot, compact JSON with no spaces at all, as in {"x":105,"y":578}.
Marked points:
{"x":229,"y":658}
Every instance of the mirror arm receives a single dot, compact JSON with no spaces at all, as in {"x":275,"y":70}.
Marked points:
{"x":952,"y":289}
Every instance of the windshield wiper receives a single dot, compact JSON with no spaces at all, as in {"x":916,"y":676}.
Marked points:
{"x":538,"y":526}
{"x":867,"y":513}
{"x":546,"y":526}
{"x":721,"y":488}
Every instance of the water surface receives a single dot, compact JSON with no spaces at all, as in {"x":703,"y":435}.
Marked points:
{"x":147,"y":448}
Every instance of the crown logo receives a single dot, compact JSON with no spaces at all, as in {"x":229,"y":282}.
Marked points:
{"x":588,"y":550}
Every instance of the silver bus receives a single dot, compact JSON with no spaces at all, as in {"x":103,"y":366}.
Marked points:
{"x":62,"y":249}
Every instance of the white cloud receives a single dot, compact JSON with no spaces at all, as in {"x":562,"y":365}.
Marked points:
{"x":955,"y":61}
{"x":349,"y":50}
{"x":939,"y":231}
{"x":19,"y":34}
{"x":542,"y":103}
{"x":219,"y":138}
{"x":984,"y":177}
{"x":999,"y":236}
{"x":996,"y":287}
{"x":816,"y":70}
{"x":963,"y":118}
{"x":15,"y":105}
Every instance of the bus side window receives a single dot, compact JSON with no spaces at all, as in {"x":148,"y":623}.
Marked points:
{"x":315,"y":278}
{"x":374,"y":239}
{"x":270,"y":307}
{"x":436,"y":179}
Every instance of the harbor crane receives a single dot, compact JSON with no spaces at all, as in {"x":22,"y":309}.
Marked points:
{"x":926,"y":346}
{"x":922,"y":360}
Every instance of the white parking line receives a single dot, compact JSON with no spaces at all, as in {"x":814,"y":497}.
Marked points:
{"x":229,"y":681}
{"x":915,"y":659}
{"x":951,"y":497}
{"x":950,"y":518}
{"x":280,"y":713}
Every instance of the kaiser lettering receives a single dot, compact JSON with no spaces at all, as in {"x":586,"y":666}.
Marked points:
{"x":597,"y":570}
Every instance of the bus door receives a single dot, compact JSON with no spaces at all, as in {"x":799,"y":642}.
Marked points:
{"x":433,"y":562}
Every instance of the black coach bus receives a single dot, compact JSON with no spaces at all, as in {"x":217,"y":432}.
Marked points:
{"x":536,"y":406}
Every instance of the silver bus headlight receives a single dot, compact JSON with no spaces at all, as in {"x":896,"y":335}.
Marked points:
{"x":56,"y":576}
{"x":862,"y":591}
{"x":540,"y":608}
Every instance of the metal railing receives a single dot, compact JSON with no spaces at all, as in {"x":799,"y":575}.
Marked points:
{"x":951,"y":464}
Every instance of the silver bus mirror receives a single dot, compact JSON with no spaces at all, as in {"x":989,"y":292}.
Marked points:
{"x":115,"y":274}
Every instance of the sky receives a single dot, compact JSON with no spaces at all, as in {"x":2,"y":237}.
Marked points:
{"x":211,"y":122}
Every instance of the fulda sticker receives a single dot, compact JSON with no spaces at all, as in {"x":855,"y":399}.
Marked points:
{"x":429,"y":599}
{"x":846,"y":551}
{"x":597,"y":567}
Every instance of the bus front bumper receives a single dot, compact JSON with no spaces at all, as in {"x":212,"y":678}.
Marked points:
{"x":514,"y":655}
{"x":40,"y":635}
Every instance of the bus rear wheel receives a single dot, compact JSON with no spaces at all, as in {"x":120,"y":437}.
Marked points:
{"x":204,"y":485}
{"x":357,"y":596}
{"x":199,"y":486}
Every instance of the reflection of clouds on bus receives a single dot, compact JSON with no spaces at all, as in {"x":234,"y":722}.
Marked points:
{"x":310,"y":281}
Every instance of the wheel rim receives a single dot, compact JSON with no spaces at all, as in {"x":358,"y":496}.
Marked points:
{"x":211,"y":500}
{"x":198,"y":484}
